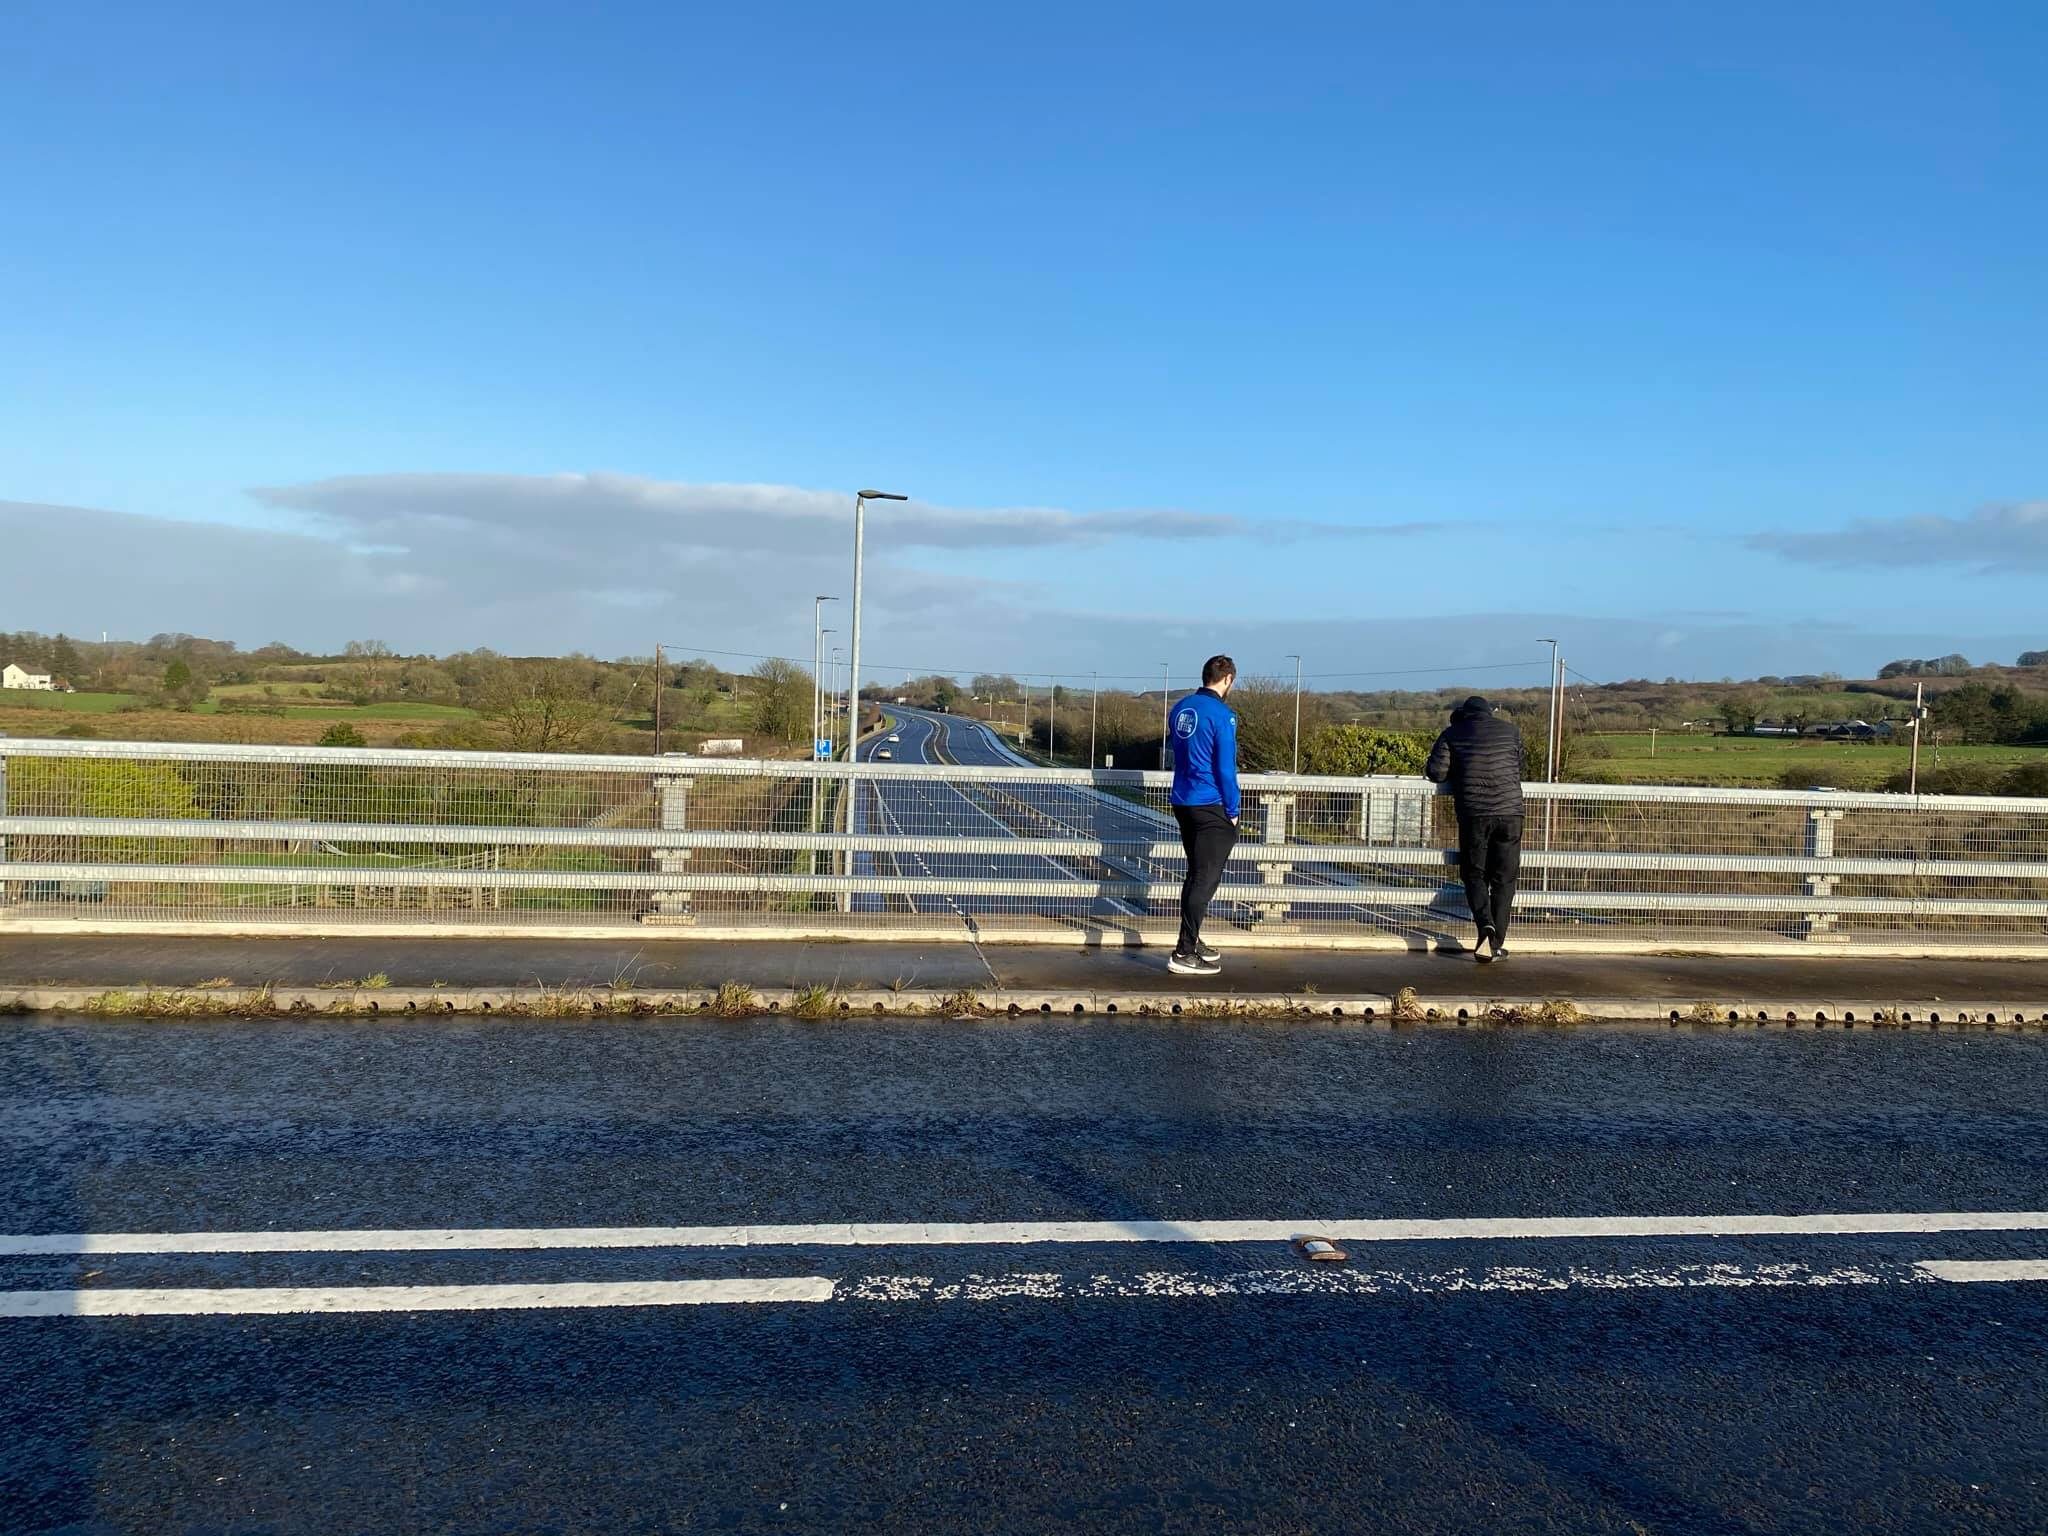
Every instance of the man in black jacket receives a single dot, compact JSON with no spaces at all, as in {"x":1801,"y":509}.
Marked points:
{"x":1480,"y":758}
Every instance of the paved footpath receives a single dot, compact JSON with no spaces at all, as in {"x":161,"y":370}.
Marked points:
{"x":1619,"y":986}
{"x":1017,"y":1275}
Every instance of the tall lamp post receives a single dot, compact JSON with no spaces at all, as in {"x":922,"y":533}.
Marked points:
{"x":818,"y":667}
{"x":1297,"y":709}
{"x":860,"y":526}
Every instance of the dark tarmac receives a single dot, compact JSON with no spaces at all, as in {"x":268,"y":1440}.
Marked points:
{"x":1816,"y":1383}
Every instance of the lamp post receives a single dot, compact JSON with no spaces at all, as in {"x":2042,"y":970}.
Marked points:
{"x":1297,"y":709}
{"x":818,"y":667}
{"x":832,"y":708}
{"x":860,"y":525}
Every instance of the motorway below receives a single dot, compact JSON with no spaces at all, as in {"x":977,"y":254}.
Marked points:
{"x":1017,"y":1275}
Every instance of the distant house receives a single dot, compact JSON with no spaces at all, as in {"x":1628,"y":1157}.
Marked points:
{"x":12,"y":676}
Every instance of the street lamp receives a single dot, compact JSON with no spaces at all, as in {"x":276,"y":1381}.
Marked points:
{"x":1297,"y":709}
{"x":832,"y":701}
{"x":860,"y":524}
{"x":818,"y":666}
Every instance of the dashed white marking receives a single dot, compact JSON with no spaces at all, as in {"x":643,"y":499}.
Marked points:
{"x":1019,"y":1233}
{"x":1977,"y":1270}
{"x":232,"y":1300}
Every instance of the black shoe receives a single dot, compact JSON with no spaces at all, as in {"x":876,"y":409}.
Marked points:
{"x":1479,"y":950}
{"x":1192,"y":965}
{"x":1209,"y":955}
{"x":1500,"y":950}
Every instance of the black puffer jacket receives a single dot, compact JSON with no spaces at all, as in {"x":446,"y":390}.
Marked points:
{"x":1480,"y":758}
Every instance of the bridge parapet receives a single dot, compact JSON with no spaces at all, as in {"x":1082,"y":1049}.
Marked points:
{"x":97,"y":835}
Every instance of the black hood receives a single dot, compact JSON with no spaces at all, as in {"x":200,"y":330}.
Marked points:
{"x":1473,"y":706}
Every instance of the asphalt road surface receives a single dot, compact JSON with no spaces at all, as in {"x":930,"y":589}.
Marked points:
{"x":1017,"y":1276}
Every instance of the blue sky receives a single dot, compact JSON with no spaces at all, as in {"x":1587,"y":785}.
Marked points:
{"x":1709,"y":337}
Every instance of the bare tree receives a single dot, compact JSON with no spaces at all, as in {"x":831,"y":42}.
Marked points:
{"x":782,"y":700}
{"x":546,"y":706}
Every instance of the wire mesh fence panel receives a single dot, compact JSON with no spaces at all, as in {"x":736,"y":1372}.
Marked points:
{"x":966,"y":840}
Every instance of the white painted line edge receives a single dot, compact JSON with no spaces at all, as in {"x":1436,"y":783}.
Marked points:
{"x":1974,"y":1270}
{"x":235,"y":1300}
{"x":896,"y":1289}
{"x":1006,"y":1233}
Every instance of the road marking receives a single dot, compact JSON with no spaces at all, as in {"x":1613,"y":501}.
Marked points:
{"x":1149,"y":1285}
{"x":1328,"y":1280}
{"x":1014,"y":1233}
{"x":1968,"y":1270}
{"x":234,"y":1300}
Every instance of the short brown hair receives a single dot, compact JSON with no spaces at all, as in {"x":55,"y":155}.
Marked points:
{"x":1217,"y":668}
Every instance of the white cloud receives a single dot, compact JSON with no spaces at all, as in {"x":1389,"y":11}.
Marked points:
{"x":2013,"y":534}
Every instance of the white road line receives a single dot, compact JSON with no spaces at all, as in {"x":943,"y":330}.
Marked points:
{"x":1009,"y":1233}
{"x":1148,"y":1285}
{"x":1331,"y":1280}
{"x":406,"y":1298}
{"x":1969,"y":1270}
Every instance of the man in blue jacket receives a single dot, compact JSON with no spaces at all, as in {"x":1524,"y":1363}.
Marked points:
{"x":1205,"y":803}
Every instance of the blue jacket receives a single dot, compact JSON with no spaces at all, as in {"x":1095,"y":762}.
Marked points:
{"x":1204,"y":734}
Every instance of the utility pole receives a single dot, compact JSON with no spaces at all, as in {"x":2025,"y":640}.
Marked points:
{"x":657,"y":698}
{"x":1653,"y":741}
{"x":1052,"y":709}
{"x":1165,"y":726}
{"x":1094,"y":694}
{"x":1551,"y":717}
{"x":1555,"y":715}
{"x":1913,"y":777}
{"x":1297,"y":710}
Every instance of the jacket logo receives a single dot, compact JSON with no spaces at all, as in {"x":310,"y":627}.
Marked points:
{"x":1184,"y":724}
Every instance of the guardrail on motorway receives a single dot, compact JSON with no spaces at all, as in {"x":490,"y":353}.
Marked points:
{"x":119,"y":834}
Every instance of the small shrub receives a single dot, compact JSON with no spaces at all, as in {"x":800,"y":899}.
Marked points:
{"x":734,"y":1000}
{"x":814,"y":1002}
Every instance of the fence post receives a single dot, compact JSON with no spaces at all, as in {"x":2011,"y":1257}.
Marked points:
{"x":3,"y":811}
{"x":1277,"y":809}
{"x":673,"y":792}
{"x":1820,"y":844}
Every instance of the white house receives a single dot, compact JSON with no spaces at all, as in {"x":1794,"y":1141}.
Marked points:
{"x":13,"y":676}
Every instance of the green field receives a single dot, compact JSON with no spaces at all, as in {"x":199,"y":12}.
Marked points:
{"x":76,"y":703}
{"x":1763,"y":761}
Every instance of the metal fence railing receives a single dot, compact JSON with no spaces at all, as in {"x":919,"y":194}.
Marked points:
{"x":96,"y":833}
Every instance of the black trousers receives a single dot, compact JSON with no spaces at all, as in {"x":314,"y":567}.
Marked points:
{"x":1208,"y":835}
{"x":1490,"y":858}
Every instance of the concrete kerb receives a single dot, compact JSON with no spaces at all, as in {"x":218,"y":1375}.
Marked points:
{"x":1528,"y":941}
{"x":825,"y":1005}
